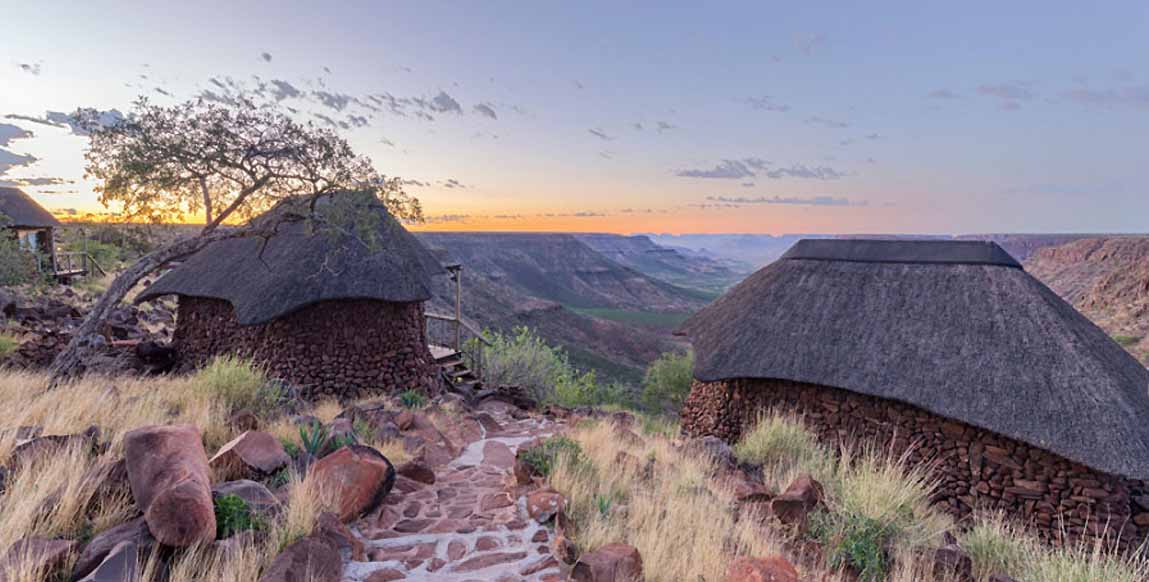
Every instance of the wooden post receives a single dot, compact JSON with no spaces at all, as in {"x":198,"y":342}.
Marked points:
{"x":458,"y":308}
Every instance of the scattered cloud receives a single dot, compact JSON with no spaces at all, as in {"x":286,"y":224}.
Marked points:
{"x":600,"y":134}
{"x":413,"y":182}
{"x":485,"y":109}
{"x":9,"y":160}
{"x":1136,"y":97}
{"x":942,"y":94}
{"x":747,"y":184}
{"x":31,"y":119}
{"x":43,"y":181}
{"x":281,"y":90}
{"x":10,"y":133}
{"x":265,"y":56}
{"x":874,"y":136}
{"x":662,"y":126}
{"x":336,"y":101}
{"x":824,"y":122}
{"x":452,"y":183}
{"x":443,"y":218}
{"x":606,"y":155}
{"x":802,"y":171}
{"x":444,"y":103}
{"x":727,"y":169}
{"x":809,"y":43}
{"x":386,"y":142}
{"x":70,"y":121}
{"x":1009,"y":91}
{"x":787,"y":200}
{"x":766,"y":103}
{"x":30,"y":68}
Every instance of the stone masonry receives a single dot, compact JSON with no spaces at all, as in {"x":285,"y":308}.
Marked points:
{"x":344,"y":349}
{"x":975,"y":469}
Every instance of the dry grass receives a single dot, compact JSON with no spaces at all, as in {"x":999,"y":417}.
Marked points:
{"x":684,"y":529}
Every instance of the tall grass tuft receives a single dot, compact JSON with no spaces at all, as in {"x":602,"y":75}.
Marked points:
{"x":237,"y":384}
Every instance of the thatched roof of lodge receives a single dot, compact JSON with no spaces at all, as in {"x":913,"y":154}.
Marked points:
{"x":19,"y":209}
{"x":957,"y":328}
{"x":303,"y":264}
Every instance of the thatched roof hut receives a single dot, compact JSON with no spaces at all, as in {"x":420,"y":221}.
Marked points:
{"x":22,"y":212}
{"x":958,"y":329}
{"x":334,"y":307}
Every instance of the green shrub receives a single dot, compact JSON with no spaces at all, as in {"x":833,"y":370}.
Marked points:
{"x":1126,"y":340}
{"x":856,"y":540}
{"x":542,"y":457}
{"x":8,"y":344}
{"x":545,"y":372}
{"x":667,"y":382}
{"x":232,"y":515}
{"x":238,"y":384}
{"x":17,"y":266}
{"x":412,"y":399}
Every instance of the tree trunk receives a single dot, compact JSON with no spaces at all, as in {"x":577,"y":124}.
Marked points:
{"x":70,"y":362}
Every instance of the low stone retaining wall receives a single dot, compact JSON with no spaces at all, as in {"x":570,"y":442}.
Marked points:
{"x":974,"y":468}
{"x":344,"y":349}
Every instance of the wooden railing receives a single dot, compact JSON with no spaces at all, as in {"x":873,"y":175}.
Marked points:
{"x":77,"y":262}
{"x":452,"y":332}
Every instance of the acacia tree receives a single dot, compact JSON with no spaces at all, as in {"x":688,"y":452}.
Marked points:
{"x":224,"y":162}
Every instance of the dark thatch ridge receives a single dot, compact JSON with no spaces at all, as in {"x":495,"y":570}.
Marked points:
{"x":303,"y":264}
{"x":984,"y":344}
{"x":971,"y":252}
{"x":20,"y":210}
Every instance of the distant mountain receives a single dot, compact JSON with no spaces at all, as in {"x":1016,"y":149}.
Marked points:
{"x":677,"y":266}
{"x":755,"y":250}
{"x":1107,"y":279}
{"x":564,"y":269}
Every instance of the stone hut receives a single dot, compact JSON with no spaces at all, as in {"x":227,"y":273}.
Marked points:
{"x":947,"y":352}
{"x":29,"y":223}
{"x":335,"y":312}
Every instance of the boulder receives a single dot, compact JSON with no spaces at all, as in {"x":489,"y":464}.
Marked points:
{"x":252,"y":452}
{"x":952,"y":563}
{"x":244,"y":420}
{"x":772,"y":569}
{"x":134,"y":532}
{"x":328,"y":526}
{"x":311,"y":559}
{"x":417,"y":470}
{"x":46,"y":446}
{"x":43,"y":556}
{"x":168,"y":473}
{"x":544,"y":504}
{"x":359,"y":477}
{"x":120,"y":565}
{"x":610,"y":563}
{"x":792,"y":506}
{"x":564,"y":549}
{"x":257,"y":496}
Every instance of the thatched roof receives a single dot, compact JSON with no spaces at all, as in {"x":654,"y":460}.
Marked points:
{"x":19,"y":209}
{"x":303,"y":264}
{"x":956,"y":328}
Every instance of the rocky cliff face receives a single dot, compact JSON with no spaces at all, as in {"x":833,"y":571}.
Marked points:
{"x":675,"y":266}
{"x":1107,"y":279}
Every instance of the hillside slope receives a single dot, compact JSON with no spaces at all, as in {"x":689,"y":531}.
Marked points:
{"x":1107,"y":279}
{"x":563,"y":269}
{"x":674,"y":266}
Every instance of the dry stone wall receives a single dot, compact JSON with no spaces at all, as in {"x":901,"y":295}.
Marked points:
{"x":974,"y":468}
{"x":344,"y":349}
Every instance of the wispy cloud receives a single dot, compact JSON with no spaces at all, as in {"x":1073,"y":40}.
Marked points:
{"x":802,"y":171}
{"x":600,"y":134}
{"x":452,"y":183}
{"x":281,"y":90}
{"x":30,"y":68}
{"x":1136,"y":97}
{"x":40,"y":181}
{"x":766,"y":103}
{"x":727,"y":169}
{"x":485,"y":109}
{"x":9,"y":160}
{"x":824,"y":122}
{"x":787,"y":200}
{"x":942,"y":94}
{"x":265,"y":56}
{"x":10,"y":133}
{"x":1010,"y":90}
{"x":809,"y":43}
{"x":444,"y":103}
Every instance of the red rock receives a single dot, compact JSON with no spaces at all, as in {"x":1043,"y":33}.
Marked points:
{"x":610,"y":563}
{"x":405,"y":420}
{"x":798,"y":500}
{"x":358,"y":476}
{"x":487,"y":560}
{"x":96,"y":551}
{"x":120,"y":565}
{"x":486,"y":543}
{"x":168,"y":473}
{"x":417,"y":470}
{"x":251,"y":451}
{"x":385,"y":575}
{"x":952,"y":563}
{"x":311,"y":559}
{"x":772,"y":569}
{"x":328,"y":526}
{"x":244,"y":420}
{"x":495,"y":501}
{"x":564,"y":549}
{"x":539,"y":565}
{"x":544,"y":504}
{"x":456,"y":549}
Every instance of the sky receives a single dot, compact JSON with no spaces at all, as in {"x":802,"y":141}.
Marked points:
{"x":756,"y":117}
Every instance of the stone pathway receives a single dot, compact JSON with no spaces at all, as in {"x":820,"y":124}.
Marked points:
{"x":471,"y":525}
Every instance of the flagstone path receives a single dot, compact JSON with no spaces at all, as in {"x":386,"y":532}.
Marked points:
{"x":471,"y":525}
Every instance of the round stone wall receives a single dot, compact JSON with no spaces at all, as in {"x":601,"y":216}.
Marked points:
{"x":973,"y":468}
{"x":343,"y":349}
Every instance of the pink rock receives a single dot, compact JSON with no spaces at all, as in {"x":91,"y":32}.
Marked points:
{"x":251,"y":451}
{"x":311,"y":559}
{"x":610,"y":563}
{"x":42,"y":556}
{"x":772,"y":569}
{"x":417,"y":470}
{"x":168,"y":472}
{"x":358,"y":476}
{"x":544,"y":504}
{"x":799,"y":499}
